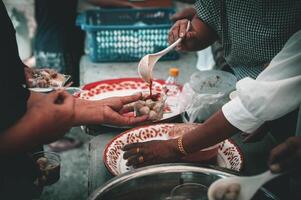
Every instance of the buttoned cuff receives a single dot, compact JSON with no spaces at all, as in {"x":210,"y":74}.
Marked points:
{"x":240,"y":117}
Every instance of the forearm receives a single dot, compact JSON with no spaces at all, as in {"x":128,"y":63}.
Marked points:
{"x":21,"y":137}
{"x":34,"y":97}
{"x":110,"y":3}
{"x":213,"y":131}
{"x":87,"y":112}
{"x":274,"y":93}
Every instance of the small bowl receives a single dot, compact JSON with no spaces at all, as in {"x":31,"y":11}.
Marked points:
{"x":49,"y":164}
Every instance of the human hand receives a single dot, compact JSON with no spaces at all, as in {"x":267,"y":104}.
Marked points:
{"x":190,"y":39}
{"x":54,"y":113}
{"x":187,"y":13}
{"x":108,"y":111}
{"x":152,"y":152}
{"x":286,"y":156}
{"x":116,"y":107}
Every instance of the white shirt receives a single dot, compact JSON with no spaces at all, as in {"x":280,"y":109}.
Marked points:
{"x":274,"y":93}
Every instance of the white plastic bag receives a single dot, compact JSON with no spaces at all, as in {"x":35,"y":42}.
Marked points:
{"x":205,"y":59}
{"x":205,"y":93}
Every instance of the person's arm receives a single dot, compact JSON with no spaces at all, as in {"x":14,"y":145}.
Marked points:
{"x":274,"y":93}
{"x":47,"y":118}
{"x":112,"y":3}
{"x":214,"y":130}
{"x":204,"y":27}
{"x":50,"y":116}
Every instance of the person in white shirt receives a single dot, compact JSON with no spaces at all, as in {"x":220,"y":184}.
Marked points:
{"x":274,"y":93}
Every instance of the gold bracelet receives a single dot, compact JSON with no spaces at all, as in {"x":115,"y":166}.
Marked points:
{"x":180,"y":145}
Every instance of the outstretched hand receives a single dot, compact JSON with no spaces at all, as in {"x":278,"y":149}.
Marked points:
{"x":108,"y":111}
{"x":152,"y":152}
{"x":115,"y":108}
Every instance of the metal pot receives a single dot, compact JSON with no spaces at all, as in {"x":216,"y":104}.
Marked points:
{"x":156,"y":182}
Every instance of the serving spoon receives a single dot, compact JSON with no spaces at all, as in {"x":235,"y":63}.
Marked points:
{"x":248,"y":185}
{"x":147,"y":63}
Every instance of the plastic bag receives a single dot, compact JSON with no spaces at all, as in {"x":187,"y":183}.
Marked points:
{"x":205,"y":59}
{"x":205,"y":93}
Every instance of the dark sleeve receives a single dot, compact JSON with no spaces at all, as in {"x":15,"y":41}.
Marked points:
{"x":14,"y":95}
{"x":209,"y":12}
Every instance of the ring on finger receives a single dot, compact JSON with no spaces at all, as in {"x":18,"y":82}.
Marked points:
{"x":141,"y":159}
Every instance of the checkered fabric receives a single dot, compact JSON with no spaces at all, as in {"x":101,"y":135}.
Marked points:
{"x":252,"y":32}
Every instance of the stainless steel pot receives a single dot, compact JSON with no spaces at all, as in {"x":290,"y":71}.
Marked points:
{"x":156,"y":182}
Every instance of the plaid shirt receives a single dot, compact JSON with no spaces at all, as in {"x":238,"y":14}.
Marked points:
{"x":252,"y":32}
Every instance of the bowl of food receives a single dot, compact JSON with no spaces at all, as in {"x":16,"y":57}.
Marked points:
{"x":167,"y":182}
{"x":45,"y":80}
{"x":49,"y":165}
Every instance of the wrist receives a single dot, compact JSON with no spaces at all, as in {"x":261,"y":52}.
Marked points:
{"x":175,"y":148}
{"x":181,"y":146}
{"x":78,"y":112}
{"x":87,"y":112}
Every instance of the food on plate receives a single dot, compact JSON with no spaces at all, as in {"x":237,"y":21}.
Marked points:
{"x":44,"y":78}
{"x":153,"y":106}
{"x":50,"y":171}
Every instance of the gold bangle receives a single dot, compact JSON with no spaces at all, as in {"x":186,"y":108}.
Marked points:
{"x":180,"y":145}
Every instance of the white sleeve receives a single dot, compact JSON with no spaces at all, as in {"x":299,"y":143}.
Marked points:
{"x":275,"y":92}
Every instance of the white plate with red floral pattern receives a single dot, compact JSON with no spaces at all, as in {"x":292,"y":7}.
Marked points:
{"x":228,"y":153}
{"x":127,"y":86}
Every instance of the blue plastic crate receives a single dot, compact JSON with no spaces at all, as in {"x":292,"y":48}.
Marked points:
{"x":124,"y":35}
